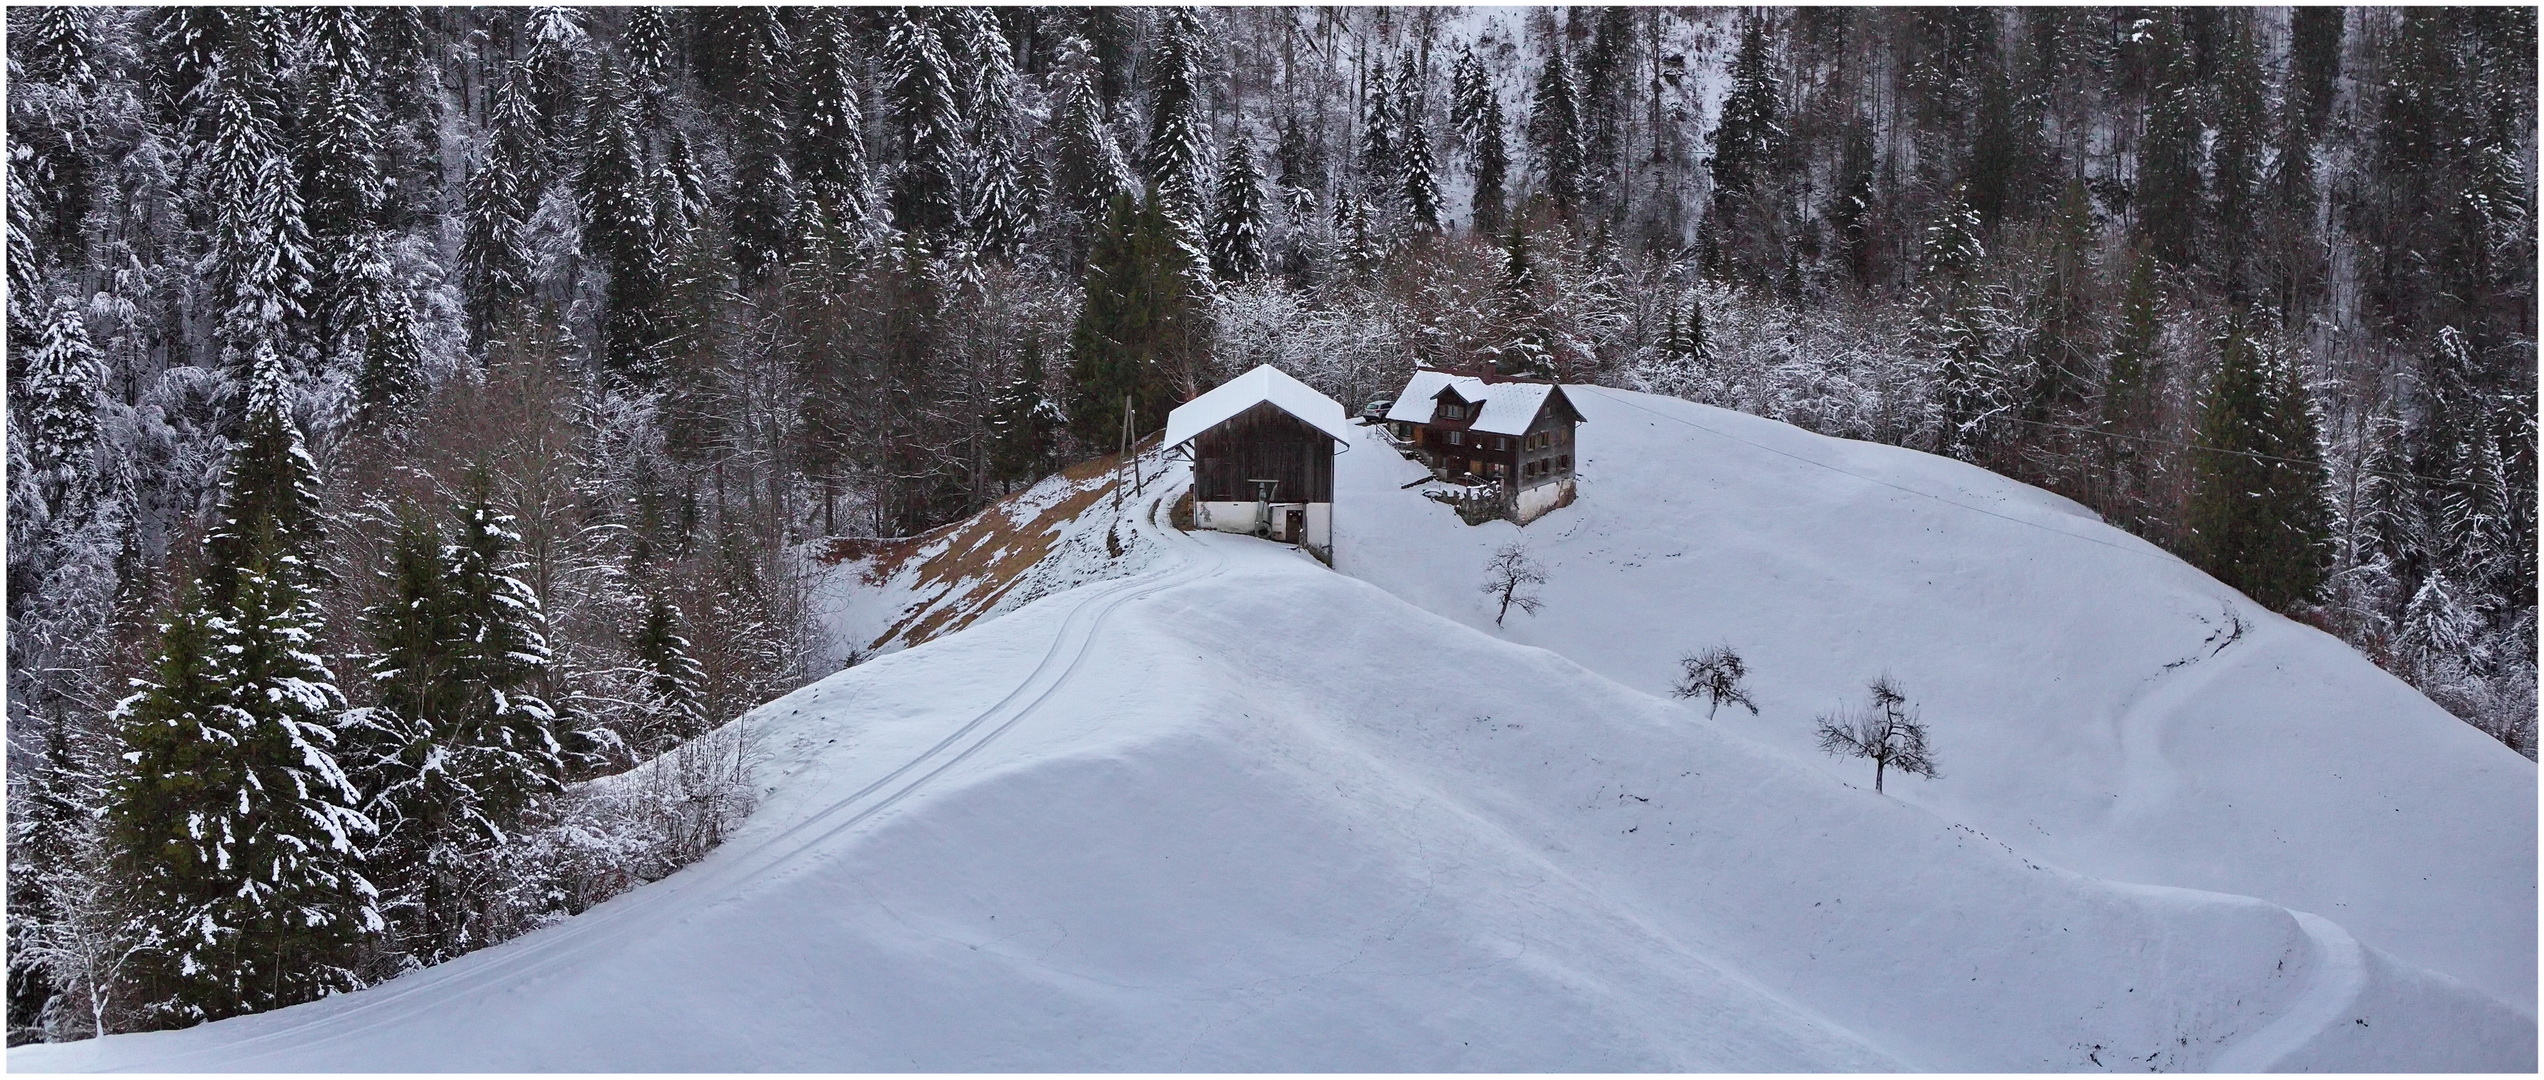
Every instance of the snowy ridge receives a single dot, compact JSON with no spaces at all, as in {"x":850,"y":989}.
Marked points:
{"x":1124,"y":827}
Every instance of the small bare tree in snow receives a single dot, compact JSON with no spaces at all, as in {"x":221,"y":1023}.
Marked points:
{"x":1888,"y":731}
{"x":1715,"y":675}
{"x":1512,"y":577}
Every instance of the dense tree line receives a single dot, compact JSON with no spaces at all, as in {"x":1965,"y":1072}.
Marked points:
{"x":397,"y":394}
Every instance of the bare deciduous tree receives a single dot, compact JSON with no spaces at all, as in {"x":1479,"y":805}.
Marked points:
{"x":1888,"y":730}
{"x":1715,"y":675}
{"x":1510,"y":577}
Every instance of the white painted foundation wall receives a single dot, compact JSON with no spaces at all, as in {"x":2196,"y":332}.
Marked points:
{"x":1238,"y":517}
{"x":1532,"y":503}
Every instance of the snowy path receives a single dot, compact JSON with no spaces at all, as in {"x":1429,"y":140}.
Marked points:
{"x":2339,"y":974}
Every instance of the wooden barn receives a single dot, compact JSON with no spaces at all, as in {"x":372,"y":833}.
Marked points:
{"x":1514,"y":433}
{"x":1262,"y":447}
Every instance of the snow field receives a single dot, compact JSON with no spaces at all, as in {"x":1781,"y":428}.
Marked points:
{"x":1243,"y":813}
{"x":2089,"y":699}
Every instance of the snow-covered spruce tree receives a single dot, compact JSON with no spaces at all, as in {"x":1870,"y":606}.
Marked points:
{"x":59,"y":398}
{"x":1683,"y":330}
{"x":1470,"y":89}
{"x":1178,"y":134}
{"x":674,"y":683}
{"x":260,"y":258}
{"x":2126,"y":413}
{"x":645,"y":41}
{"x":1238,"y":223}
{"x":1492,"y":168}
{"x":1381,"y":134}
{"x":1521,"y":347}
{"x":830,"y":145}
{"x":339,"y":165}
{"x":1554,"y":130}
{"x":2255,"y":515}
{"x":1746,"y":142}
{"x":1140,"y":334}
{"x":998,"y":192}
{"x":1087,"y":165}
{"x":460,"y":745}
{"x":502,"y":192}
{"x":763,"y":195}
{"x":1886,"y":729}
{"x":2169,"y":173}
{"x":1972,"y":389}
{"x":270,"y":506}
{"x":377,"y":336}
{"x":2241,"y":118}
{"x":235,"y":834}
{"x":1421,"y":190}
{"x":1024,"y":425}
{"x":926,"y":200}
{"x":615,"y":191}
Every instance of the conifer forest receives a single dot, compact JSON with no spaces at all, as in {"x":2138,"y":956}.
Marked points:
{"x":421,"y":421}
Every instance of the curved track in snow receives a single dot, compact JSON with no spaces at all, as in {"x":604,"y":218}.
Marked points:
{"x":656,"y":903}
{"x":2340,"y":972}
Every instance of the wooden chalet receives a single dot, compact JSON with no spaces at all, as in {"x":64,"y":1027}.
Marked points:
{"x":1515,"y":434}
{"x":1262,"y":447}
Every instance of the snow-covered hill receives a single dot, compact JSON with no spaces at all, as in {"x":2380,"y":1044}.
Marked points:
{"x":1238,"y":811}
{"x":2090,"y":697}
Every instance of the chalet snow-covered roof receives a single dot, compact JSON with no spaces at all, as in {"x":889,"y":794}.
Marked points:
{"x":1260,"y":386}
{"x":1509,"y":407}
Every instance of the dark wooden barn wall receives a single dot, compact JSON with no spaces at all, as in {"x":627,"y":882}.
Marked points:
{"x":1263,"y":443}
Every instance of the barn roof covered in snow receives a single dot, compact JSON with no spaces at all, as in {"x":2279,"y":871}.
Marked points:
{"x":1509,"y":407}
{"x":1260,"y":386}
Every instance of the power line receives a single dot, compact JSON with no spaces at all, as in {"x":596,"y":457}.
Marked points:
{"x":2255,"y":455}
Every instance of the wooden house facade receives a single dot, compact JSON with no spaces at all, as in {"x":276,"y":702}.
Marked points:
{"x":1516,"y":434}
{"x":1262,"y":447}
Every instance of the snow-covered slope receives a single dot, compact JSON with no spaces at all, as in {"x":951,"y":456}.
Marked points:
{"x":1237,"y":811}
{"x":2085,"y":700}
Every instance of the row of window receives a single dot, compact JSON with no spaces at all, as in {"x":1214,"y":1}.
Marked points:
{"x":1539,"y":441}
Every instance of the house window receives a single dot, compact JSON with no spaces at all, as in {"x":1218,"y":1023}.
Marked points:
{"x":1500,"y":443}
{"x":1453,"y":411}
{"x":1457,"y":438}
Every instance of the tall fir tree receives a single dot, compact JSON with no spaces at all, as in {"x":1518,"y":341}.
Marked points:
{"x":1139,"y":334}
{"x":1554,"y":129}
{"x":1087,"y":165}
{"x":1470,"y":90}
{"x":1421,"y":185}
{"x":502,"y":192}
{"x":460,"y":745}
{"x":1240,"y":219}
{"x":1178,"y":132}
{"x":1492,"y":169}
{"x":830,"y":147}
{"x":925,"y":198}
{"x":261,"y":259}
{"x":1024,"y":425}
{"x":2255,"y":515}
{"x":59,"y":397}
{"x":377,"y":339}
{"x":235,"y":836}
{"x":674,"y":681}
{"x":1381,"y":132}
{"x":1750,"y":134}
{"x":763,"y":196}
{"x":2171,"y":186}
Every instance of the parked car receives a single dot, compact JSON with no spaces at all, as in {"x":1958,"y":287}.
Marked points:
{"x":1376,"y":411}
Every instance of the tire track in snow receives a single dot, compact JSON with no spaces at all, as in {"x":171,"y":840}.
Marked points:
{"x":662,"y":901}
{"x":2340,"y":973}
